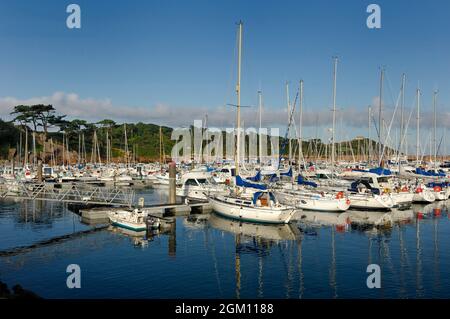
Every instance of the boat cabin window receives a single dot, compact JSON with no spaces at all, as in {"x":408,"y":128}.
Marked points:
{"x":383,"y":180}
{"x":322,"y":176}
{"x":201,"y":180}
{"x":191,"y":182}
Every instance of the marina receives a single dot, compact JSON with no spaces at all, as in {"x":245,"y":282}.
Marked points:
{"x":206,"y":160}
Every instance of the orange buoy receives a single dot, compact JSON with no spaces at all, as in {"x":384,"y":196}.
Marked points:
{"x":437,"y":189}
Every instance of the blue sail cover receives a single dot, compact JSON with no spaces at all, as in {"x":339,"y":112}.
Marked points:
{"x":354,"y":187}
{"x":288,"y":173}
{"x":380,"y":171}
{"x":244,"y":183}
{"x":301,"y":181}
{"x":423,"y":172}
{"x":255,"y":178}
{"x":433,"y":184}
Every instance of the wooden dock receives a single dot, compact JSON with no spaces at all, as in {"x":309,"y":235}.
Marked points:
{"x":100,"y":214}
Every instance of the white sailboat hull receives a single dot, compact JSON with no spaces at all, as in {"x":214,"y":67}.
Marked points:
{"x":424,"y":197}
{"x":270,"y":215}
{"x":402,"y":198}
{"x":371,"y":202}
{"x":314,"y":203}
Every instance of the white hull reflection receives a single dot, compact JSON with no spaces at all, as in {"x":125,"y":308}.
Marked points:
{"x":265,"y":231}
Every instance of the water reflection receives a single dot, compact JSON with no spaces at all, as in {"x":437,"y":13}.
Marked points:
{"x":261,"y":234}
{"x":322,"y":255}
{"x":258,"y":240}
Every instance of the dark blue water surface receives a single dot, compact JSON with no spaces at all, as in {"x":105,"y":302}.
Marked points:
{"x":210,"y":257}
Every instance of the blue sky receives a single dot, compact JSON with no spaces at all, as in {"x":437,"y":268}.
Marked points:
{"x":144,"y":59}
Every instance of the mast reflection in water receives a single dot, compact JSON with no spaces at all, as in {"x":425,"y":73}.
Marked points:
{"x":322,"y":255}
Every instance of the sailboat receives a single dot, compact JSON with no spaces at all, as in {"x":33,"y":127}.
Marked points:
{"x":303,"y":195}
{"x":249,"y":201}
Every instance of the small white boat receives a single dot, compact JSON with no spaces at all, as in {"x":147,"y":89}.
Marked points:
{"x":400,"y":194}
{"x":132,"y":220}
{"x":196,"y":185}
{"x":262,"y":207}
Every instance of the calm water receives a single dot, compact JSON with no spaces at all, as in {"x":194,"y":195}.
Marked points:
{"x":210,"y":257}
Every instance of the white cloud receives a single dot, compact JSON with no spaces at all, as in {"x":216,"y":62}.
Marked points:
{"x":220,"y":116}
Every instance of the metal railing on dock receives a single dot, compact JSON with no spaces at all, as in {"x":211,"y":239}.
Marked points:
{"x":73,"y":193}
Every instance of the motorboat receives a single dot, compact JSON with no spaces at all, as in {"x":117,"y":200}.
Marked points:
{"x":197,"y":185}
{"x":134,"y":220}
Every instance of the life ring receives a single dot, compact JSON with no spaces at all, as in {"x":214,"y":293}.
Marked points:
{"x":340,"y":195}
{"x":405,"y":189}
{"x":419,"y":190}
{"x":437,"y":188}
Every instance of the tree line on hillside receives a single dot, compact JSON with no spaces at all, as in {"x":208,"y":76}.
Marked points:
{"x":38,"y":132}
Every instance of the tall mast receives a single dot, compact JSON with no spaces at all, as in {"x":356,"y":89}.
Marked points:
{"x":401,"y":113}
{"x":369,"y":143}
{"x":289,"y":121}
{"x":434,"y":132}
{"x":380,"y":123}
{"x":260,"y":122}
{"x":401,"y":122}
{"x":126,"y":143}
{"x":300,"y":143}
{"x":160,"y":146}
{"x":418,"y":126}
{"x":206,"y":133}
{"x":238,"y":105}
{"x":334,"y":111}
